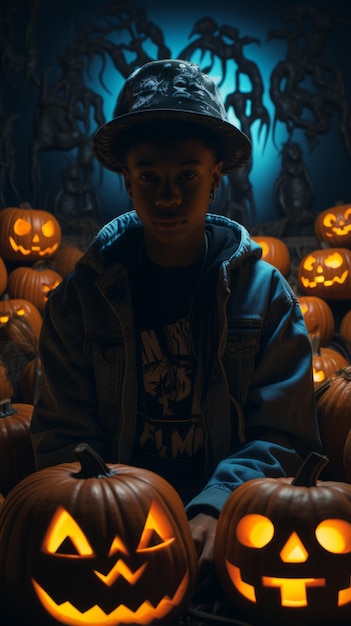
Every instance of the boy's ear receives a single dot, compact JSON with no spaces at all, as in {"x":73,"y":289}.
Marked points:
{"x":217,"y":175}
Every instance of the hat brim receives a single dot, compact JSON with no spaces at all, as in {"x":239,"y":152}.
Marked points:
{"x":235,"y":146}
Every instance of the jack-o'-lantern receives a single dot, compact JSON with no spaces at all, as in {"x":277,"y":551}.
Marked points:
{"x":33,"y":283}
{"x":3,"y":276}
{"x":325,"y":273}
{"x":98,"y":544}
{"x":325,"y":361}
{"x":21,"y":309}
{"x":283,"y":548}
{"x":319,"y":318}
{"x":275,"y":252}
{"x":16,"y":451}
{"x":333,"y":403}
{"x":28,"y":234}
{"x":334,"y":226}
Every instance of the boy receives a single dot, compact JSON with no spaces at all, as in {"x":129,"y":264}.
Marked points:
{"x":173,"y":346}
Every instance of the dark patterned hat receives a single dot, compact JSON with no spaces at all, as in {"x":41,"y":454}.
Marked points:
{"x":171,"y":89}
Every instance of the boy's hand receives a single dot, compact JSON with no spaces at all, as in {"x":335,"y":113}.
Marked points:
{"x":203,"y":529}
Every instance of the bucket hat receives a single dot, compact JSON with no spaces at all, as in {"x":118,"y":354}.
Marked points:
{"x":170,"y":89}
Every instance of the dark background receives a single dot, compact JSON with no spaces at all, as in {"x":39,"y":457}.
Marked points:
{"x":284,"y":73}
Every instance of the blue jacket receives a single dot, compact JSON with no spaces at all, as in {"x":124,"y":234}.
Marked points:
{"x":255,"y":372}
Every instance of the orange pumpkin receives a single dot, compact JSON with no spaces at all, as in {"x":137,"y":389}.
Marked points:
{"x":326,"y":273}
{"x":325,"y":361}
{"x":66,"y":259}
{"x":334,"y":226}
{"x":96,"y":544}
{"x":3,"y":276}
{"x":33,"y":283}
{"x":345,"y":326}
{"x":20,"y":309}
{"x":6,"y":388}
{"x":333,"y":404}
{"x":282,"y":549}
{"x":16,"y":452}
{"x":319,"y":318}
{"x":275,"y":252}
{"x":28,"y":234}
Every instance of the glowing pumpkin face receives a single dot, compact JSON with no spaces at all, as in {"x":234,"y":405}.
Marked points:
{"x":334,"y":226}
{"x":28,"y":234}
{"x":325,"y":273}
{"x":33,"y":283}
{"x":109,"y":548}
{"x":283,"y":549}
{"x":20,"y":309}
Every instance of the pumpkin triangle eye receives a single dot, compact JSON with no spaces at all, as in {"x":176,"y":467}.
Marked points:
{"x":157,"y":532}
{"x":64,"y":533}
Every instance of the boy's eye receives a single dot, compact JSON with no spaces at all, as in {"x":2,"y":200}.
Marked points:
{"x":147,"y":176}
{"x":188,"y":175}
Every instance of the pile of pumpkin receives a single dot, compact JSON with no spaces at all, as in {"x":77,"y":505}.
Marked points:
{"x":89,"y":543}
{"x":33,"y":262}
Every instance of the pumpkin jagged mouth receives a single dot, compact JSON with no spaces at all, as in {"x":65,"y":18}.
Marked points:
{"x":322,"y":280}
{"x":144,"y":614}
{"x":18,"y":247}
{"x":292,"y":590}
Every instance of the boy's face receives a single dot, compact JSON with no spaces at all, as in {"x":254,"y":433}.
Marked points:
{"x":170,"y":182}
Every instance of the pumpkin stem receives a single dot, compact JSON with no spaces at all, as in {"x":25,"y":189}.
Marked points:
{"x":315,"y":341}
{"x":92,"y":465}
{"x":6,"y":408}
{"x":25,"y":205}
{"x":310,"y":469}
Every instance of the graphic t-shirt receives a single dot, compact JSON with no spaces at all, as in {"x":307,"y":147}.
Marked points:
{"x":170,"y":433}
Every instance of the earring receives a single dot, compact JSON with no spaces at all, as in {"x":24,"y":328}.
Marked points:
{"x":212,"y":196}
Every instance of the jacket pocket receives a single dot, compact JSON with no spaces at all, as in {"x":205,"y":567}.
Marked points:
{"x":239,"y":360}
{"x":108,"y":360}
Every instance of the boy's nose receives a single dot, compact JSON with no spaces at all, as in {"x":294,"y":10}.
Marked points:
{"x":167,"y":195}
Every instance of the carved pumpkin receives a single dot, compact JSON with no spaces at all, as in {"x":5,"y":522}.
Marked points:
{"x":66,"y":259}
{"x":33,"y":283}
{"x":283,"y":548}
{"x":319,"y":318}
{"x":333,"y":405}
{"x":20,"y":309}
{"x":3,"y":276}
{"x":275,"y":252}
{"x":325,"y":361}
{"x":16,"y":452}
{"x":96,"y":544}
{"x":325,"y":273}
{"x":334,"y":226}
{"x":28,"y":234}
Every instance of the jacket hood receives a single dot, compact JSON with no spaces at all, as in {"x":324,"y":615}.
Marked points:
{"x":230,"y":241}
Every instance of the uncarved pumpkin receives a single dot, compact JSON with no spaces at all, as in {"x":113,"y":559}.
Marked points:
{"x":3,"y":276}
{"x":89,"y":543}
{"x":333,"y":404}
{"x":275,"y":252}
{"x":66,"y":258}
{"x":16,"y":451}
{"x":283,"y":549}
{"x":345,"y":326}
{"x":28,"y":234}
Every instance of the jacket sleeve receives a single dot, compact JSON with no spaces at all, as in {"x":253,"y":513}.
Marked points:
{"x":278,"y":414}
{"x":66,"y":411}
